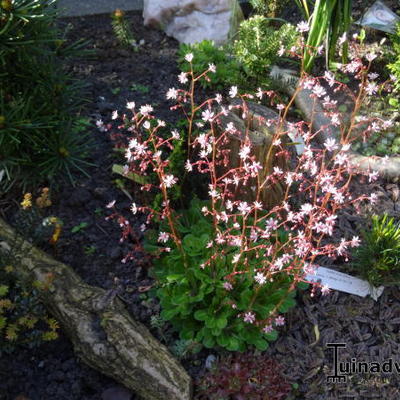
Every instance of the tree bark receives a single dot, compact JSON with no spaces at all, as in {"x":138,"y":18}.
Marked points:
{"x":103,"y":333}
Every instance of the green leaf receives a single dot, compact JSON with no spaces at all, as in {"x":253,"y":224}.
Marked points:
{"x":287,"y":305}
{"x":176,"y":278}
{"x":271,"y":336}
{"x":211,"y":322}
{"x":261,"y":344}
{"x":186,"y":334}
{"x":233,"y":344}
{"x":169,"y":314}
{"x":201,"y":315}
{"x":3,"y":290}
{"x":223,"y":340}
{"x":302,"y":286}
{"x":263,"y":311}
{"x":119,"y":169}
{"x":151,"y":248}
{"x":221,"y":322}
{"x":209,"y":342}
{"x":245,"y":298}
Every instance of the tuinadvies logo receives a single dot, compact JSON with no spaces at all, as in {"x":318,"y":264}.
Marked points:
{"x":341,"y":369}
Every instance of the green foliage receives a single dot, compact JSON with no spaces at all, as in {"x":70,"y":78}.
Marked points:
{"x":182,"y":348}
{"x":258,"y":45}
{"x":137,"y":87}
{"x":378,"y":258}
{"x":330,"y":19}
{"x":394,"y":67}
{"x":270,"y":8}
{"x":23,"y":319}
{"x":193,"y":297}
{"x":80,"y":227}
{"x":122,"y":30}
{"x":41,"y":134}
{"x":205,"y":53}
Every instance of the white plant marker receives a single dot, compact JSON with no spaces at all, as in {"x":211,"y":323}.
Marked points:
{"x":345,"y":283}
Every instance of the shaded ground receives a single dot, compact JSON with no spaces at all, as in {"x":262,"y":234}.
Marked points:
{"x":114,"y":75}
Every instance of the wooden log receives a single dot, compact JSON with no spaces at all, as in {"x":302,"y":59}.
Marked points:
{"x":260,"y":136}
{"x":311,"y":108}
{"x":103,"y":333}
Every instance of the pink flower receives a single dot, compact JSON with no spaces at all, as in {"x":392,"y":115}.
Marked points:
{"x":373,"y":176}
{"x":249,"y":317}
{"x":189,"y":57}
{"x":188,"y":166}
{"x":373,"y":198}
{"x":330,"y":78}
{"x":182,"y":77}
{"x":244,"y":152}
{"x":280,"y":107}
{"x":146,"y":110}
{"x":233,"y":91}
{"x":325,"y":289}
{"x":244,"y":208}
{"x":280,"y":321}
{"x":319,"y":91}
{"x":163,"y":237}
{"x":355,"y":241}
{"x":330,"y":144}
{"x":172,"y":94}
{"x":371,"y":88}
{"x":303,"y":27}
{"x":260,"y":278}
{"x":212,"y":68}
{"x":227,"y":286}
{"x":268,"y":328}
{"x":130,"y":105}
{"x":207,"y":115}
{"x":169,"y":181}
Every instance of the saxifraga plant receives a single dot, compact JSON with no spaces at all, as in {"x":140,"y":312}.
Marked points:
{"x":41,"y":133}
{"x":378,"y":258}
{"x":228,"y":266}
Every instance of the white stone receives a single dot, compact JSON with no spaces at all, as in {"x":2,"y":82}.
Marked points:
{"x":191,"y":21}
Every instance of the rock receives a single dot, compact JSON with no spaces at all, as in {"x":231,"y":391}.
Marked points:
{"x":210,"y":361}
{"x":116,"y":393}
{"x":191,"y":21}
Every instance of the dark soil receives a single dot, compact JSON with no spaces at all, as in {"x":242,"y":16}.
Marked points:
{"x":116,"y":75}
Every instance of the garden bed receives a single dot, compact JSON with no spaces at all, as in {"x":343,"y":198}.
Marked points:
{"x":90,"y":244}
